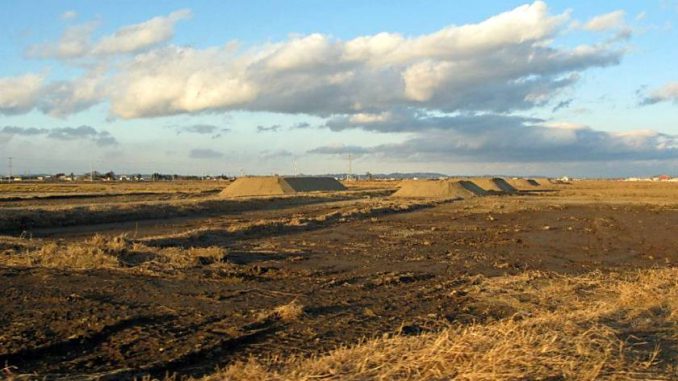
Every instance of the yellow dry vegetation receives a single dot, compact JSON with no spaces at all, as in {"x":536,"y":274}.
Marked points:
{"x":589,"y":327}
{"x":117,"y":252}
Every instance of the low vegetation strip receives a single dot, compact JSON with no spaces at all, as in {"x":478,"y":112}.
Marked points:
{"x":101,"y":252}
{"x":589,"y":327}
{"x":16,"y":220}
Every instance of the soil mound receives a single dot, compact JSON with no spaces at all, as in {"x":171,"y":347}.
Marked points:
{"x":523,"y":183}
{"x":495,"y":184}
{"x":314,"y":184}
{"x":438,"y":189}
{"x":545,"y":180}
{"x":276,"y":185}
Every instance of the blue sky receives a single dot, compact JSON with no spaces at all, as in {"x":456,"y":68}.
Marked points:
{"x":492,"y":87}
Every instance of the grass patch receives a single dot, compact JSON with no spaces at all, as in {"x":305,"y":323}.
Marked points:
{"x":589,"y":327}
{"x":111,"y":253}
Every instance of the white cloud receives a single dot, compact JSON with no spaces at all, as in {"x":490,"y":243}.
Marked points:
{"x":174,"y":80}
{"x":506,"y":63}
{"x":665,"y":93}
{"x":524,"y":24}
{"x":76,"y":42}
{"x":69,"y":15}
{"x":140,"y":36}
{"x":608,"y":21}
{"x":19,"y":94}
{"x":62,"y":98}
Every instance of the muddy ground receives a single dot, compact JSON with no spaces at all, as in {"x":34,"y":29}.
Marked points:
{"x":359,"y":271}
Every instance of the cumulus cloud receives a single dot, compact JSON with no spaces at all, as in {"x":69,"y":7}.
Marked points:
{"x":140,"y":36}
{"x":174,"y":80}
{"x":76,"y":42}
{"x":57,"y":98}
{"x":63,"y":98}
{"x":205,"y":153}
{"x":608,"y":21}
{"x":508,"y":62}
{"x":666,"y":93}
{"x":19,"y":94}
{"x":100,"y":138}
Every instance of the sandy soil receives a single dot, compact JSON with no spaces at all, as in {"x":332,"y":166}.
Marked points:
{"x":361,"y":267}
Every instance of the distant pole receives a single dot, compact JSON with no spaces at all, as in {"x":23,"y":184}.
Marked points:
{"x":10,"y":168}
{"x":91,"y":172}
{"x":294,"y":163}
{"x":350,"y":167}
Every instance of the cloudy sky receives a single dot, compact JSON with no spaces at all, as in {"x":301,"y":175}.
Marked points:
{"x":493,"y":87}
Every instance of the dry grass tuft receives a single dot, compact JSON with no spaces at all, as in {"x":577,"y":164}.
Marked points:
{"x":289,"y":312}
{"x":112,"y":253}
{"x":590,"y":327}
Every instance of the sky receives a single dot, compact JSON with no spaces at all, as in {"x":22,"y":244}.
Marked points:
{"x":576,"y":88}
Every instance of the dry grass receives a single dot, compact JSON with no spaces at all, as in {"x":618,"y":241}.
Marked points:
{"x":289,"y":312}
{"x":589,"y":327}
{"x":609,"y":191}
{"x":110,"y":253}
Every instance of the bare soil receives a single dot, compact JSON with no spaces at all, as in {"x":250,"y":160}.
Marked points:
{"x":360,"y":267}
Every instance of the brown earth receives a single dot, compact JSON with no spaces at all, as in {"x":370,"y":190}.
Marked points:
{"x":451,"y":189}
{"x":279,"y":185}
{"x":190,"y":294}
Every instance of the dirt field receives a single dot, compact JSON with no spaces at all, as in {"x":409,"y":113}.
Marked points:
{"x":116,"y":284}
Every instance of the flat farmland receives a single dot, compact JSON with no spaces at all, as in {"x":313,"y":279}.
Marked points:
{"x":174,"y":280}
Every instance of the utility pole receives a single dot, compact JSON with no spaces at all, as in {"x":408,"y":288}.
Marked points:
{"x":10,"y":168}
{"x":350,"y":167}
{"x":91,"y":172}
{"x":294,"y":163}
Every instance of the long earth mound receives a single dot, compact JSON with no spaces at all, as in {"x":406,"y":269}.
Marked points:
{"x":276,"y":185}
{"x":438,"y":189}
{"x":495,"y":184}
